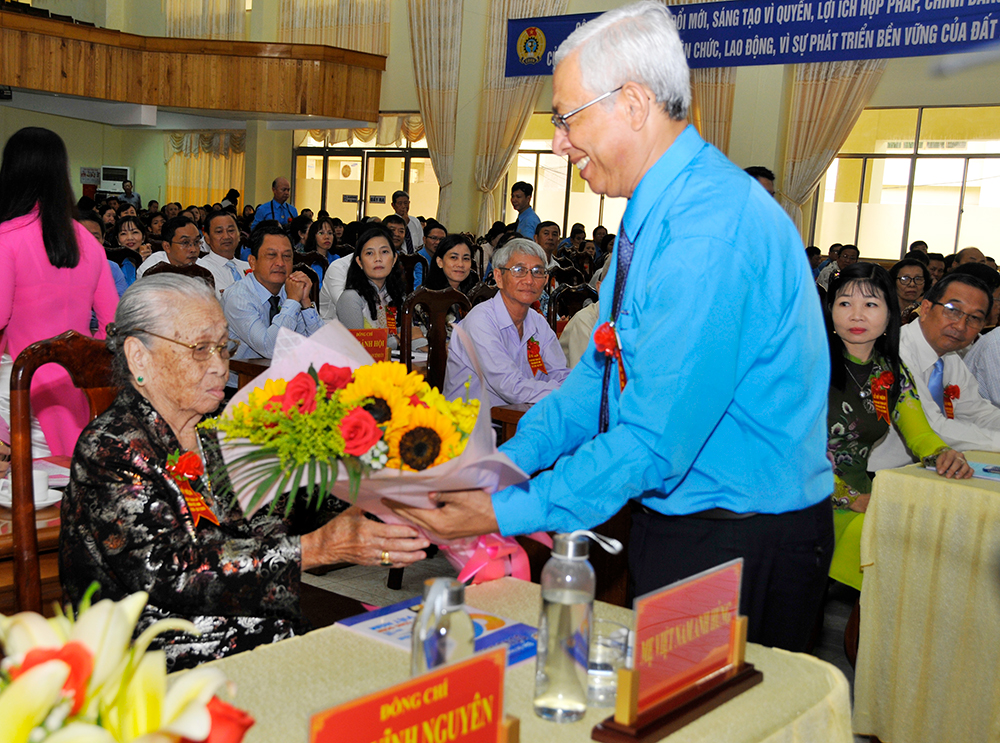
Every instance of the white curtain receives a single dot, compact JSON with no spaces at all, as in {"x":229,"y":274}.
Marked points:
{"x":205,"y":19}
{"x":361,"y":25}
{"x":827,"y":99}
{"x":506,"y":104}
{"x":435,"y":36}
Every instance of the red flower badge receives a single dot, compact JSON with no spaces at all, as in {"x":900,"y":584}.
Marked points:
{"x":184,"y":468}
{"x":607,"y":342}
{"x":951,"y":392}
{"x":880,"y":395}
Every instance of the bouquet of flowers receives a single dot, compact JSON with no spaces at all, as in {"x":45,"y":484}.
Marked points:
{"x":325,"y":416}
{"x":77,"y":678}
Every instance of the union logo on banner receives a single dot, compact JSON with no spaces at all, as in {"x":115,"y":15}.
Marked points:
{"x":531,"y":45}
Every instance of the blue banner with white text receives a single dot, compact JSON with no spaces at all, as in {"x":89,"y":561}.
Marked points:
{"x":764,"y":32}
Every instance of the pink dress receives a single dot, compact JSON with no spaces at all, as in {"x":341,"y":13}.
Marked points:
{"x":39,"y":301}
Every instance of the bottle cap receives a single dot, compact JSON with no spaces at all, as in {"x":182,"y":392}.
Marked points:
{"x":573,"y":546}
{"x":454,"y":592}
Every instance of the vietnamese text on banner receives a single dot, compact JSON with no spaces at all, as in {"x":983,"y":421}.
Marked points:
{"x":764,"y":32}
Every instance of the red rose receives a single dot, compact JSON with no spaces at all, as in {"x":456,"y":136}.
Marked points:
{"x":605,"y":340}
{"x":300,"y":394}
{"x":73,"y":654}
{"x":360,"y":432}
{"x":187,"y":466}
{"x":334,"y":377}
{"x":229,"y":724}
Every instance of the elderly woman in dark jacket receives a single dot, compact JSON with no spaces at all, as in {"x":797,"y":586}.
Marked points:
{"x":133,"y":522}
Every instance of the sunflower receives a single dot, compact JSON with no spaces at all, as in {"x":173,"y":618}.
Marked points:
{"x":462,"y":413}
{"x":429,"y":439}
{"x":387,"y":387}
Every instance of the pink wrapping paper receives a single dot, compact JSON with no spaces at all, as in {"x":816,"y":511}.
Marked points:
{"x":480,"y":466}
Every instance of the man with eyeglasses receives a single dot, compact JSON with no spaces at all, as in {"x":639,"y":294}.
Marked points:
{"x":704,"y":411}
{"x":434,"y":233}
{"x":181,"y":245}
{"x":952,"y":313}
{"x":519,"y":353}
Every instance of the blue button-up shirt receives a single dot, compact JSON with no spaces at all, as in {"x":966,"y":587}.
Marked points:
{"x":727,"y":364}
{"x":284,"y":213}
{"x":246,"y":304}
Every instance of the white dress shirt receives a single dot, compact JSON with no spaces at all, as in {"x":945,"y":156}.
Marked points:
{"x":334,"y":281}
{"x":223,"y":270}
{"x":983,"y":359}
{"x":976,"y":424}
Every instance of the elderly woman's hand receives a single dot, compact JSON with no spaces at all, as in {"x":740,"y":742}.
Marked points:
{"x":351,"y":537}
{"x":952,"y":464}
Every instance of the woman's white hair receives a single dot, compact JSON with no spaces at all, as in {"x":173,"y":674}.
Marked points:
{"x":522,"y":245}
{"x":153,"y":303}
{"x":635,"y":43}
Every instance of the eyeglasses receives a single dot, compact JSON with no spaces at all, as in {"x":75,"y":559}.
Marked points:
{"x":202,"y":351}
{"x":907,"y":280}
{"x":185,"y":244}
{"x":559,"y":120}
{"x":953,"y":314}
{"x":519,"y":272}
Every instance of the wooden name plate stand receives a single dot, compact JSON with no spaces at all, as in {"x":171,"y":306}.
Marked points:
{"x":690,"y":657}
{"x":672,"y":714}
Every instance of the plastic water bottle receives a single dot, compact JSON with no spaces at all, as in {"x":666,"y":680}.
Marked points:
{"x":568,"y":585}
{"x":443,"y":631}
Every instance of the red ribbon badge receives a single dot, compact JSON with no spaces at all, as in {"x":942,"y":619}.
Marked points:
{"x":880,"y":395}
{"x":607,"y":341}
{"x":535,"y":357}
{"x":390,"y":320}
{"x":183,"y":468}
{"x":951,"y":392}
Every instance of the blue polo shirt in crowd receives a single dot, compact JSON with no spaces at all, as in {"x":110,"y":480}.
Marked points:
{"x":284,"y":213}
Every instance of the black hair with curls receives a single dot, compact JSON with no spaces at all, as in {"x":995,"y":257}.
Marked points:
{"x":358,"y":281}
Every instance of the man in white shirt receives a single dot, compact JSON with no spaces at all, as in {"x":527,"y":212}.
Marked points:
{"x":181,"y":245}
{"x":223,"y":237}
{"x":983,"y":361}
{"x":951,"y":314}
{"x":414,"y":239}
{"x":847,"y":256}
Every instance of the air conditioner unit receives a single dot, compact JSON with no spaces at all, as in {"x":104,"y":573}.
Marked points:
{"x":112,"y":177}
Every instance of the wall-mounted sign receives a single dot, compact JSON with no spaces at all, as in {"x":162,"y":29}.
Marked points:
{"x":350,"y":198}
{"x":376,"y":199}
{"x":90,"y":176}
{"x":768,"y":32}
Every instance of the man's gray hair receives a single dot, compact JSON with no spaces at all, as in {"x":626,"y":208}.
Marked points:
{"x":635,"y":43}
{"x":522,"y":245}
{"x":153,"y":303}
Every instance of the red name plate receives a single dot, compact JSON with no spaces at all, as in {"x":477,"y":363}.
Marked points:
{"x":683,"y":631}
{"x":375,"y":341}
{"x":463,"y":701}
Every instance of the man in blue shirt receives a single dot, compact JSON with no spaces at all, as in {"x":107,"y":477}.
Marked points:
{"x":718,"y":438}
{"x":520,"y":199}
{"x":277,"y":208}
{"x":434,"y":233}
{"x":270,"y":297}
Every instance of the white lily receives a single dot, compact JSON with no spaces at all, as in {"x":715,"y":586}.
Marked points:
{"x":81,"y":732}
{"x":106,"y":629}
{"x":26,"y":630}
{"x":29,"y":699}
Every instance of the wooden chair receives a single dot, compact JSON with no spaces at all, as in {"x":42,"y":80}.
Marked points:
{"x":482,"y":293}
{"x":437,"y":303}
{"x":563,"y":275}
{"x":409,"y":264}
{"x":193,"y":270}
{"x":315,"y":260}
{"x":567,"y":300}
{"x":88,"y":362}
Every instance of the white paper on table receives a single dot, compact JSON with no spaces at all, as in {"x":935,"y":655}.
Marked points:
{"x":479,"y":466}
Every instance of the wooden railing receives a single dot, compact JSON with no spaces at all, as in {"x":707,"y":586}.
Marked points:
{"x":294,"y":79}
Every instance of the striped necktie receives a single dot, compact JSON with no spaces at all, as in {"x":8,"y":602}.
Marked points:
{"x":623,"y":251}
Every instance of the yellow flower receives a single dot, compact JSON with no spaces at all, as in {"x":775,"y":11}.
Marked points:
{"x":259,"y":397}
{"x":389,"y":383}
{"x":430,"y":439}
